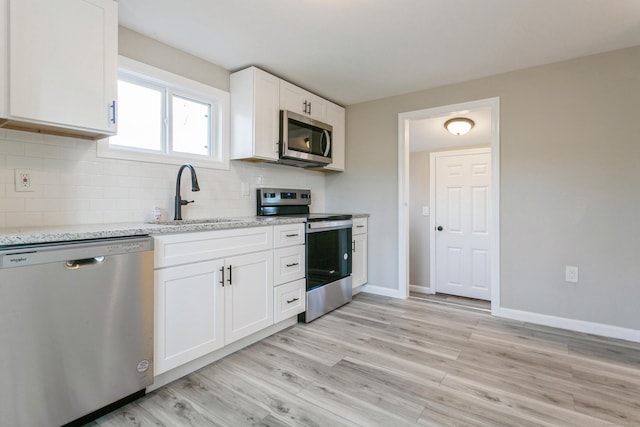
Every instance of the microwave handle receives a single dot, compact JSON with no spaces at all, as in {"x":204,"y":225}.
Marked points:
{"x":326,"y":136}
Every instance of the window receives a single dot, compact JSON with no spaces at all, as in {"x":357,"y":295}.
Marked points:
{"x":165,"y":118}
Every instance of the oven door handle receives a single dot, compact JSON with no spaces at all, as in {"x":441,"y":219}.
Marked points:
{"x":318,"y":226}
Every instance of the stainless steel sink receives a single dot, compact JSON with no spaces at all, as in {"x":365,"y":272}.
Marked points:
{"x":196,"y":221}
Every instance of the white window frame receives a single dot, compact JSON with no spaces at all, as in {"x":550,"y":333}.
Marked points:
{"x":180,"y":86}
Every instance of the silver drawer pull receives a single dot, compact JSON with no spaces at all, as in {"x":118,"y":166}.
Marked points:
{"x":293,"y":235}
{"x":293,"y":265}
{"x":359,"y":226}
{"x":289,"y":301}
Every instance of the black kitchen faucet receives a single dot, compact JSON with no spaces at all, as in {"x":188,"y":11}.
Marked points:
{"x":194,"y":187}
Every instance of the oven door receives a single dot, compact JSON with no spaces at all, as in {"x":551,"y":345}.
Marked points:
{"x":328,"y":252}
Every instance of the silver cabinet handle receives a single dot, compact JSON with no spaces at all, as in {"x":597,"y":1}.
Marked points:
{"x":292,"y":235}
{"x":222,"y":272}
{"x":112,"y":107}
{"x":289,"y":301}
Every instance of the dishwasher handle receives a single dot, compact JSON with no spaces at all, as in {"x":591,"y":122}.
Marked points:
{"x":76,"y":264}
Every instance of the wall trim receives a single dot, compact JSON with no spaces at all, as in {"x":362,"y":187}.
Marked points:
{"x":583,"y":326}
{"x":422,"y":289}
{"x":404,"y":120}
{"x":379,"y":290}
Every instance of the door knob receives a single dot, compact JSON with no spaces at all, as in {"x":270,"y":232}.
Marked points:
{"x":439,"y":228}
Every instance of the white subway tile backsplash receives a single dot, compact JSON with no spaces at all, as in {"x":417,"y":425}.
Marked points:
{"x":73,"y":186}
{"x":24,"y":219}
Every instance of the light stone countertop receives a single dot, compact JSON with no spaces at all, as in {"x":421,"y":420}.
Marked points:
{"x":65,"y":233}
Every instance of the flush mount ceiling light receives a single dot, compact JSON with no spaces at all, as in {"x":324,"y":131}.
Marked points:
{"x":459,"y":125}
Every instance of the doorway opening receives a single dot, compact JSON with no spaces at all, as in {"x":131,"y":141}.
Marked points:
{"x":409,"y":124}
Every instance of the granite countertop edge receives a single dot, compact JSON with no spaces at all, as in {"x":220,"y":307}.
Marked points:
{"x":66,"y":233}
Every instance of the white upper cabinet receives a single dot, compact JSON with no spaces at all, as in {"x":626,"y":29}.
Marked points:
{"x":256,"y":100}
{"x":336,"y":118}
{"x":300,"y":101}
{"x":255,"y":115}
{"x":59,"y":66}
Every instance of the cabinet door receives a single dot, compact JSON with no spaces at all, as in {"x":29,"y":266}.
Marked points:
{"x":63,"y":63}
{"x":248,"y":294}
{"x":267,"y":115}
{"x":189,"y":313}
{"x":255,"y":114}
{"x":359,"y":260}
{"x":336,"y":118}
{"x":300,"y":101}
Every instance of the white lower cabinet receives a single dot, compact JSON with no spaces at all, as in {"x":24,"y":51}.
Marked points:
{"x":289,"y":259}
{"x":216,"y":287}
{"x":248,"y":295}
{"x":289,"y":299}
{"x":289,"y":264}
{"x":359,"y":254}
{"x":189,"y":315}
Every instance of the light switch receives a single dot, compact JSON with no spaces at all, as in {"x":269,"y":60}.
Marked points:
{"x":425,"y":211}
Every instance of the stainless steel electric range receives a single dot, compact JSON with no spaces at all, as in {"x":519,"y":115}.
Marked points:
{"x":328,"y":248}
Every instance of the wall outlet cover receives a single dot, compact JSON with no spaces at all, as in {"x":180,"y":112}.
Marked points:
{"x":23,"y":180}
{"x":571,"y":274}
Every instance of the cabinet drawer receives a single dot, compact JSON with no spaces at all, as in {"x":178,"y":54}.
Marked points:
{"x":288,"y":235}
{"x":175,"y":249}
{"x":289,"y":300}
{"x":359,"y":225}
{"x":289,"y":264}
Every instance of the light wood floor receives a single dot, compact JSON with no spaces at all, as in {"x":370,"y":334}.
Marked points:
{"x":385,"y":362}
{"x":470,"y":303}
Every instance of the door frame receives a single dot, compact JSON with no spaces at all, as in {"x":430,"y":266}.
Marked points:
{"x":433,"y":156}
{"x":404,"y":120}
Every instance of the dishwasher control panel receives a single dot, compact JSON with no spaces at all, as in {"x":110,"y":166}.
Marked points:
{"x":72,"y":251}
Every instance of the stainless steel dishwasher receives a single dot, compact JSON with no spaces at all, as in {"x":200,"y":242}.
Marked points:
{"x":76,"y":329}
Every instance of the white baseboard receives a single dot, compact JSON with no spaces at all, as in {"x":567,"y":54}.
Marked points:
{"x":601,"y":329}
{"x":379,"y":290}
{"x":421,"y":289}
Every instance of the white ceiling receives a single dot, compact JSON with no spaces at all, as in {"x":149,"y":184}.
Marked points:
{"x":431,"y":135}
{"x":351,"y":51}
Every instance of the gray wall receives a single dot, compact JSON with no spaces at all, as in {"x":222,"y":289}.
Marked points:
{"x":569,"y":157}
{"x":418,"y":223}
{"x":149,"y":51}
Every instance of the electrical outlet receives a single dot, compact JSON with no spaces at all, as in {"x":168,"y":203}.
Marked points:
{"x":571,"y":274}
{"x":23,"y":180}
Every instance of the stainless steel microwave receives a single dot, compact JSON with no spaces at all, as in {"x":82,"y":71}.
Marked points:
{"x":304,"y":141}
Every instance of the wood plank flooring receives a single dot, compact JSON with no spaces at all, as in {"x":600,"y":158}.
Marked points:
{"x":470,"y":303}
{"x":386,"y":362}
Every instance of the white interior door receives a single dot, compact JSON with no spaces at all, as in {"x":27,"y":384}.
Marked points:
{"x":462,"y":218}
